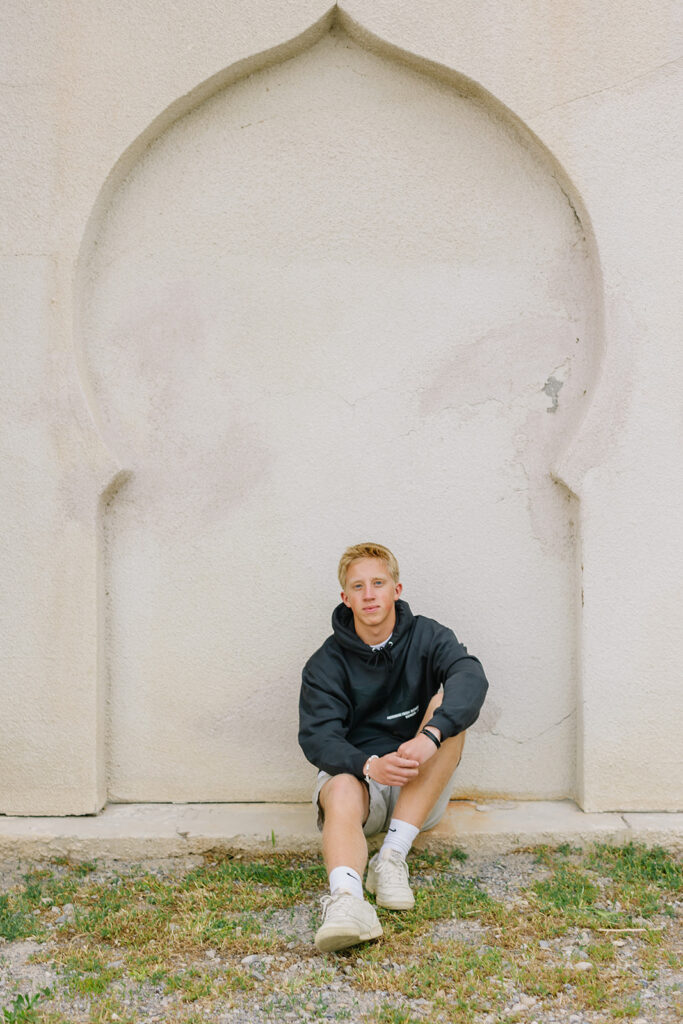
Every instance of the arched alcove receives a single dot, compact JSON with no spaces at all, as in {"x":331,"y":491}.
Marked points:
{"x":342,"y":298}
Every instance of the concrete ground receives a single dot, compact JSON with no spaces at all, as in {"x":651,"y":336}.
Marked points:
{"x":142,"y":831}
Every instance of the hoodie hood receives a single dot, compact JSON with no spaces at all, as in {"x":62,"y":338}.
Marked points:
{"x":347,"y":638}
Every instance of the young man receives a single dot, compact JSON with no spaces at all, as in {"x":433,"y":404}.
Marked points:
{"x":383,"y":710}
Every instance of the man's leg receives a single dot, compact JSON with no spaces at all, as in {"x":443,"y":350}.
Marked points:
{"x":388,"y":874}
{"x":420,"y":794}
{"x":348,"y":918}
{"x":345,"y":803}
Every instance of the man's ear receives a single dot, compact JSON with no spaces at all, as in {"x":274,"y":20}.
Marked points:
{"x":399,"y":591}
{"x":345,"y":599}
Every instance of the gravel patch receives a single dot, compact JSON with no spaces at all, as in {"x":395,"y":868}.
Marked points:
{"x":504,"y":876}
{"x":296,"y":924}
{"x":18,"y":973}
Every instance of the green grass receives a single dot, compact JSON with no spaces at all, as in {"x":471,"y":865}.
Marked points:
{"x":184,"y":936}
{"x":393,"y":1014}
{"x":23,"y":912}
{"x":569,"y":890}
{"x":632,"y":864}
{"x":212,"y":906}
{"x":638,"y":882}
{"x":192,"y":984}
{"x":16,"y":918}
{"x":24,"y":1007}
{"x":442,"y":899}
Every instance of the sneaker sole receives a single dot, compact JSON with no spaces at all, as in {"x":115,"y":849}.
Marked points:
{"x":396,"y":904}
{"x":340,"y":938}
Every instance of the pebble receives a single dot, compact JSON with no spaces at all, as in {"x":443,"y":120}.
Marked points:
{"x":583,"y":965}
{"x":66,"y":915}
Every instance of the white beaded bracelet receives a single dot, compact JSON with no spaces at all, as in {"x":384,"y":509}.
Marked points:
{"x":367,"y":765}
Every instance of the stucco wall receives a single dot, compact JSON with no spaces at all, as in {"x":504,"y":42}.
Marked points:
{"x":183,"y":437}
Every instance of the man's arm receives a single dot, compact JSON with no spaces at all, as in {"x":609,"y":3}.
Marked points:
{"x":420,"y":748}
{"x":393,"y":769}
{"x":325,"y":716}
{"x":464,"y":685}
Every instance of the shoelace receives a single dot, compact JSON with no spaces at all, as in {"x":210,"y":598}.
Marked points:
{"x":401,"y":865}
{"x":327,"y":900}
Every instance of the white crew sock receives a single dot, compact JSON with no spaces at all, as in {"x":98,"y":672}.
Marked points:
{"x":346,"y":879}
{"x":399,"y":837}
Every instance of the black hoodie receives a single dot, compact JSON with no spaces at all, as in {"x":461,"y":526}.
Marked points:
{"x":355,"y":701}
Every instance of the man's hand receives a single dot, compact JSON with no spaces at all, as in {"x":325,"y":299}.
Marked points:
{"x":419,"y":749}
{"x":394,"y":769}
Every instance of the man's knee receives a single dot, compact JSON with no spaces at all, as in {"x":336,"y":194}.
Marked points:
{"x":344,"y":794}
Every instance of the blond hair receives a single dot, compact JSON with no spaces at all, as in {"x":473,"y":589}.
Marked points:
{"x":366,"y":550}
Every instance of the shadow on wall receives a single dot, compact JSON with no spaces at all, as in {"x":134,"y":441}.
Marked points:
{"x":336,"y":294}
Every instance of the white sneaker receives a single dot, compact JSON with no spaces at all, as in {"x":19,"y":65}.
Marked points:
{"x":346,"y":921}
{"x":388,"y":879}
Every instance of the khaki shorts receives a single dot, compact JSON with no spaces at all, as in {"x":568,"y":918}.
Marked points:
{"x":383,"y":800}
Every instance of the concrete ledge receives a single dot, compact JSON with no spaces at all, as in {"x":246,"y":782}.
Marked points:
{"x":143,"y":831}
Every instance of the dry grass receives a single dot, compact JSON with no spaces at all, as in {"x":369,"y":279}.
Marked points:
{"x":180,"y":941}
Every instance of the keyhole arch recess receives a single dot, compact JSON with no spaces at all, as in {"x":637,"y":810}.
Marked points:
{"x":272,"y":394}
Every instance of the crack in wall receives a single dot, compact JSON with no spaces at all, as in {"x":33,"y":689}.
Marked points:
{"x":468,"y":405}
{"x":537,"y":735}
{"x":610,"y":88}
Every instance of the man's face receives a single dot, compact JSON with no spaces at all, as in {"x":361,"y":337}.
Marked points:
{"x":371,"y":595}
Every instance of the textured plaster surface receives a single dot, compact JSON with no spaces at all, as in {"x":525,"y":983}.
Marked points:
{"x":52,"y":723}
{"x":85,"y":86}
{"x":350,"y":339}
